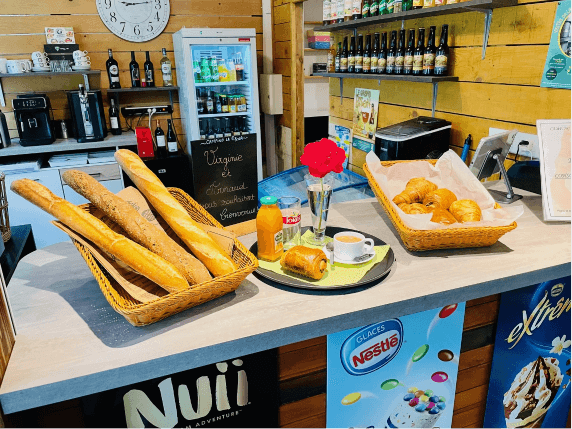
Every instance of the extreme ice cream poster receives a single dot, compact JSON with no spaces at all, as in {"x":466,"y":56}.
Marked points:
{"x":397,"y":372}
{"x":530,"y":375}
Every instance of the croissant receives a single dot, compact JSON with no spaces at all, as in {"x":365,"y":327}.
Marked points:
{"x":305,"y":261}
{"x":414,"y":208}
{"x":415,"y":191}
{"x":442,"y":198}
{"x":466,"y":211}
{"x":442,"y":216}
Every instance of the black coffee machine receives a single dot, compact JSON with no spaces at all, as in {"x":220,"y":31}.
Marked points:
{"x":34,"y":119}
{"x":87,"y":114}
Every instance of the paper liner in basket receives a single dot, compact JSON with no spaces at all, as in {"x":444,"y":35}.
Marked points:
{"x":449,"y":172}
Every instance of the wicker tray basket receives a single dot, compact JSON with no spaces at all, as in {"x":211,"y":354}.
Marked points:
{"x":419,"y":240}
{"x":140,"y":314}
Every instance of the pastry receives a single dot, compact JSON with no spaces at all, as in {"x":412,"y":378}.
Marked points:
{"x":414,"y":208}
{"x":466,"y":211}
{"x":136,"y":226}
{"x":442,"y":198}
{"x":305,"y":261}
{"x":415,"y":191}
{"x":442,"y":216}
{"x":202,"y":246}
{"x":130,"y":253}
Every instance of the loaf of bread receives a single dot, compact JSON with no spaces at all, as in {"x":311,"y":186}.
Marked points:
{"x":136,"y":226}
{"x":130,"y":253}
{"x":305,"y":261}
{"x":202,"y":246}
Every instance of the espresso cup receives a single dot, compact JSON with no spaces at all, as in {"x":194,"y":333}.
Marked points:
{"x":3,"y":65}
{"x":79,"y":54}
{"x":349,"y":245}
{"x":83,"y":63}
{"x":39,"y":56}
{"x":40,"y":61}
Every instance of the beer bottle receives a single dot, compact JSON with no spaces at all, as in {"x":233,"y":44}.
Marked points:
{"x":374,"y":8}
{"x":429,"y":55}
{"x":442,"y":56}
{"x":400,"y":53}
{"x":352,"y":56}
{"x":365,"y":9}
{"x":418,"y":54}
{"x":356,"y":9}
{"x":374,"y":53}
{"x":338,"y":58}
{"x":331,"y":64}
{"x":367,"y":55}
{"x":359,"y":55}
{"x":382,"y":7}
{"x":382,"y":57}
{"x":391,"y":53}
{"x":344,"y":57}
{"x":408,"y":60}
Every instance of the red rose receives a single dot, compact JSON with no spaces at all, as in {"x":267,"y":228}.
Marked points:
{"x":323,"y":157}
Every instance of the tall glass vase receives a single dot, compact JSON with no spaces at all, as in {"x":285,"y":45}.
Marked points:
{"x":319,"y":194}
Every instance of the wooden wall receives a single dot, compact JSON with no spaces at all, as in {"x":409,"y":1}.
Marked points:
{"x":501,"y":91}
{"x":22,"y":33}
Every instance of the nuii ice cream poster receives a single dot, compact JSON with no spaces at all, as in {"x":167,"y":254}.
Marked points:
{"x":557,"y":67}
{"x":396,"y":373}
{"x":366,"y":104}
{"x":530,"y":374}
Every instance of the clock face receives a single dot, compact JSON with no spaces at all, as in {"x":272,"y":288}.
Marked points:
{"x":134,"y":20}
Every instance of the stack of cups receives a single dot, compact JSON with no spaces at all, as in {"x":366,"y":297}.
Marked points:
{"x":41,"y":60}
{"x":81,"y":60}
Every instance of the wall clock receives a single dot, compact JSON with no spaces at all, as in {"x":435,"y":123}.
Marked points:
{"x":134,"y":20}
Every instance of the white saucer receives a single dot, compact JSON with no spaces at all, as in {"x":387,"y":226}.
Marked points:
{"x":41,"y":69}
{"x":345,"y":261}
{"x":83,"y":68}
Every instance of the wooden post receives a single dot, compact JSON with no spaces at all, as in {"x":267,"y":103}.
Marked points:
{"x":297,"y":79}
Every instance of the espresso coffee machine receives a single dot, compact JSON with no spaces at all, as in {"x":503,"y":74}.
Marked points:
{"x":87,"y":114}
{"x":34,"y":119}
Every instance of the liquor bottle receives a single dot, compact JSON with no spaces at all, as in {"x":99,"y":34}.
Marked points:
{"x":337,"y":63}
{"x":239,"y":67}
{"x":391,"y":53}
{"x":202,"y":130}
{"x":344,"y":57}
{"x":352,"y":56}
{"x":166,"y":69}
{"x":367,"y":55}
{"x":429,"y":55}
{"x":442,"y":56}
{"x":365,"y":9}
{"x":418,"y":54}
{"x":218,"y":103}
{"x":226,"y":130}
{"x":348,"y":4}
{"x":149,"y":72}
{"x":235,"y":128}
{"x":161,"y":142}
{"x":356,"y":9}
{"x":374,"y":8}
{"x":172,"y":145}
{"x":383,"y":7}
{"x":374,"y":53}
{"x":217,"y":129}
{"x":331,"y":64}
{"x":382,"y":57}
{"x":326,"y":10}
{"x":210,"y":103}
{"x":114,"y":119}
{"x":210,"y":131}
{"x":112,"y":71}
{"x":359,"y":55}
{"x":134,"y":72}
{"x":400,"y":54}
{"x":341,"y":9}
{"x":244,"y":126}
{"x":408,"y":59}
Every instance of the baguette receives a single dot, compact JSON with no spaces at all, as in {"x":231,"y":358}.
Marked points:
{"x":130,"y":253}
{"x":202,"y":246}
{"x":137,"y":227}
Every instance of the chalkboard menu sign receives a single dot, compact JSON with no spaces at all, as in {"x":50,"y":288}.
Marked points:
{"x":225,"y":179}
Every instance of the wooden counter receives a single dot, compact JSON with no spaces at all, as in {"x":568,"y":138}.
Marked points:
{"x":70,"y":343}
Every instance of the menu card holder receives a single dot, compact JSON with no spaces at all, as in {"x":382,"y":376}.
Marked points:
{"x":492,"y":159}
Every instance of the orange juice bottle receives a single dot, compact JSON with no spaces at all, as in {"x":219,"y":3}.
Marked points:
{"x":269,"y":230}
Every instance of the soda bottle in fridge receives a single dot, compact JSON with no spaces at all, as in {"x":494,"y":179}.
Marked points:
{"x":214,"y":69}
{"x":239,"y":67}
{"x":206,"y":70}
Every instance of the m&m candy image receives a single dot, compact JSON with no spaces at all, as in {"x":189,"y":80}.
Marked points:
{"x":439,"y":377}
{"x":352,"y":398}
{"x":408,"y":397}
{"x":447,"y":311}
{"x":420,"y":353}
{"x":392,"y":383}
{"x":445,"y":355}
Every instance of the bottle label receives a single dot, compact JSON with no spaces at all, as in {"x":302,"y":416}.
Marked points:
{"x":373,"y":65}
{"x":408,"y":62}
{"x":356,"y":7}
{"x":381,"y":64}
{"x":135,"y":74}
{"x":417,"y":3}
{"x":441,"y":62}
{"x":366,"y":63}
{"x":160,"y":141}
{"x":348,"y":7}
{"x":390,"y":62}
{"x":149,"y":76}
{"x":397,"y":4}
{"x":390,"y":5}
{"x":337,"y":64}
{"x":399,"y":61}
{"x":359,"y":62}
{"x":114,"y":122}
{"x":114,"y":70}
{"x":210,"y":105}
{"x":241,"y":107}
{"x":172,"y":146}
{"x":429,"y":3}
{"x":225,"y":108}
{"x":428,"y":61}
{"x":166,"y":68}
{"x":418,"y":62}
{"x":382,"y":7}
{"x":278,"y":244}
{"x":232,"y":108}
{"x":344,"y":64}
{"x":365,"y":10}
{"x":440,"y":2}
{"x":294,"y":217}
{"x":374,"y":8}
{"x":351,"y":61}
{"x":331,"y":62}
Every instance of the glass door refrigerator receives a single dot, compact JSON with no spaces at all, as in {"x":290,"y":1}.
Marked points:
{"x":218,"y":83}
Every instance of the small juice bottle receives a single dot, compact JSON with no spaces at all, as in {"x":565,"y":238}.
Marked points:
{"x":269,"y":230}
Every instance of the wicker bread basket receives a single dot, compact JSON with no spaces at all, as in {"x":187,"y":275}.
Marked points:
{"x":453,"y":238}
{"x":140,"y":314}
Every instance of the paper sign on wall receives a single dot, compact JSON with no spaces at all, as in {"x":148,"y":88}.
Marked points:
{"x":557,"y":68}
{"x":366,"y":104}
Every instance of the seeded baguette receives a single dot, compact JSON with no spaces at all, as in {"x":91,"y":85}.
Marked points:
{"x":137,"y":227}
{"x":203,"y":247}
{"x":130,"y":253}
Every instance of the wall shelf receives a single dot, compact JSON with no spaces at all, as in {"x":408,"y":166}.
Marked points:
{"x":379,"y":77}
{"x":483,"y":6}
{"x":145,"y":89}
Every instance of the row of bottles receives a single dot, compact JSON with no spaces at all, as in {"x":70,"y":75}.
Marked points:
{"x":211,"y":128}
{"x":399,"y":58}
{"x":337,"y":11}
{"x":209,"y":102}
{"x":219,"y":70}
{"x":166,"y":145}
{"x":138,"y":80}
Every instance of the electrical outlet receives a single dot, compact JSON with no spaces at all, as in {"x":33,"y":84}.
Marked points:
{"x":531,"y":150}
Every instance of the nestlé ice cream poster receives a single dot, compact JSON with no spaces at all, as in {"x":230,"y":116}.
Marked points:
{"x":530,"y":374}
{"x":396,"y":373}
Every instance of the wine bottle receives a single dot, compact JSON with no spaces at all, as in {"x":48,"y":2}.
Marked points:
{"x":172,"y":145}
{"x":114,"y":119}
{"x":217,"y":130}
{"x":134,"y":72}
{"x":227,"y":132}
{"x":149,"y":72}
{"x":112,"y":71}
{"x":166,"y":69}
{"x":160,"y":139}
